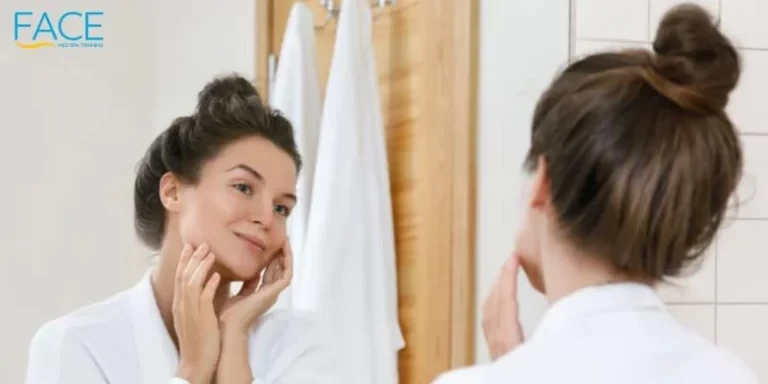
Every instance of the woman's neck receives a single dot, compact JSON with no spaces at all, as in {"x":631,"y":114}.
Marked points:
{"x":566,"y":271}
{"x":163,"y":285}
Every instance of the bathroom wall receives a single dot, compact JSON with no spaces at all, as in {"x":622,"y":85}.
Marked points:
{"x":193,"y":41}
{"x":75,"y":124}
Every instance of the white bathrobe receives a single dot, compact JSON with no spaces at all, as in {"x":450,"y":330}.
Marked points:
{"x":123,"y":340}
{"x":612,"y":334}
{"x":296,"y":93}
{"x":350,"y":247}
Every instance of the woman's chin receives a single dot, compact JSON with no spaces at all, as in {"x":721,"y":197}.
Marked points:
{"x":238,"y":271}
{"x":533,"y":273}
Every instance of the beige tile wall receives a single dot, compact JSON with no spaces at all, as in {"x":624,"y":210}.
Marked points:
{"x":726,"y":299}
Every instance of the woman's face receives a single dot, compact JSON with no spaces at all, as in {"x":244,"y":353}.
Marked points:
{"x":240,"y":206}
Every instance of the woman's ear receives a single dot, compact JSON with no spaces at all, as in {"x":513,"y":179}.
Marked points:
{"x":169,"y":189}
{"x":539,"y":186}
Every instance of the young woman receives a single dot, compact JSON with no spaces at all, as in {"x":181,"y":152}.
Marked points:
{"x":633,"y":161}
{"x":212,"y":195}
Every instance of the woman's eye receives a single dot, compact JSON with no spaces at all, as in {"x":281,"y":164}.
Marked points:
{"x":282,"y":210}
{"x":244,"y":188}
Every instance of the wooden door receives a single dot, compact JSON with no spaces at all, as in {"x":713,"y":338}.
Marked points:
{"x":425,"y":55}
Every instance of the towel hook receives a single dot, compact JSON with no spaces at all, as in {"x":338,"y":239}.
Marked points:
{"x":332,"y":11}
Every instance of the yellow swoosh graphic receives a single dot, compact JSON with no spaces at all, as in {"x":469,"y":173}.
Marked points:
{"x":36,"y":45}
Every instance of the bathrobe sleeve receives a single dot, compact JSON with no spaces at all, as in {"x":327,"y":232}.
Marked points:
{"x":58,"y":356}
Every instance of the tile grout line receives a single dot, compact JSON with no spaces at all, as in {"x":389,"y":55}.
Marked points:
{"x":717,"y":254}
{"x":571,"y":30}
{"x":602,"y":40}
{"x":720,"y":14}
{"x":648,"y":32}
{"x":717,"y":240}
{"x":646,"y":42}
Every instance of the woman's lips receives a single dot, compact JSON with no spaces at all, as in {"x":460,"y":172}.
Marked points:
{"x":254,"y":244}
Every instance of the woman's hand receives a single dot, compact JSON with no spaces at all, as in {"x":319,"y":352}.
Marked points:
{"x":241,"y":310}
{"x":196,"y":323}
{"x":501,"y":322}
{"x":254,"y":299}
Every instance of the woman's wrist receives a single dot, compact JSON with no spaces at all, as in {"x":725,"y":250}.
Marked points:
{"x":234,"y":326}
{"x":234,"y":364}
{"x":234,"y":348}
{"x":192,"y":375}
{"x":232,"y":333}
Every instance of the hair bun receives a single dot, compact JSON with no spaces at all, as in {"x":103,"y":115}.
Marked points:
{"x":226,"y":96}
{"x":692,"y":52}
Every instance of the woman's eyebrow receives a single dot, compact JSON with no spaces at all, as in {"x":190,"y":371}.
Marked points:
{"x":290,"y":196}
{"x":248,"y":169}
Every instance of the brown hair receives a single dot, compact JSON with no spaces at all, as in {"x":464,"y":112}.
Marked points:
{"x":641,"y":156}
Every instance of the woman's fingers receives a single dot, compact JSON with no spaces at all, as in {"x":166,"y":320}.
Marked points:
{"x":250,"y":286}
{"x":194,"y":261}
{"x":280,"y":269}
{"x":287,"y":261}
{"x":269,"y":292}
{"x":509,"y":281}
{"x":268,"y":277}
{"x":200,"y":276}
{"x":490,"y":312}
{"x":195,"y":321}
{"x":209,"y":292}
{"x":201,"y":272}
{"x":198,"y":281}
{"x":277,"y":278}
{"x":509,"y":311}
{"x":501,"y":324}
{"x":493,"y":300}
{"x":191,"y":287}
{"x":186,"y":253}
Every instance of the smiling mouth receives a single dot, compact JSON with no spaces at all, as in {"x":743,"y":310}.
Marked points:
{"x":254,"y":246}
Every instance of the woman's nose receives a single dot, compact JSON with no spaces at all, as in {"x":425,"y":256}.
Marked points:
{"x":262,"y":211}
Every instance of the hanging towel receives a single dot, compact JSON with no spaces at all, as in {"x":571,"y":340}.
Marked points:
{"x":296,"y":93}
{"x":350,"y":244}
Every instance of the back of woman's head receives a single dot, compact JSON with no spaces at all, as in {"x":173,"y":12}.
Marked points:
{"x":640,"y":156}
{"x":228,"y":109}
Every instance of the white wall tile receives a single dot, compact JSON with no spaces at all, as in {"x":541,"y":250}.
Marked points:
{"x":751,"y":197}
{"x":659,"y":7}
{"x":587,"y":47}
{"x":696,"y":286}
{"x":612,"y":19}
{"x":699,"y":318}
{"x":742,"y":262}
{"x":745,"y":22}
{"x":747,"y":106}
{"x":742,"y":330}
